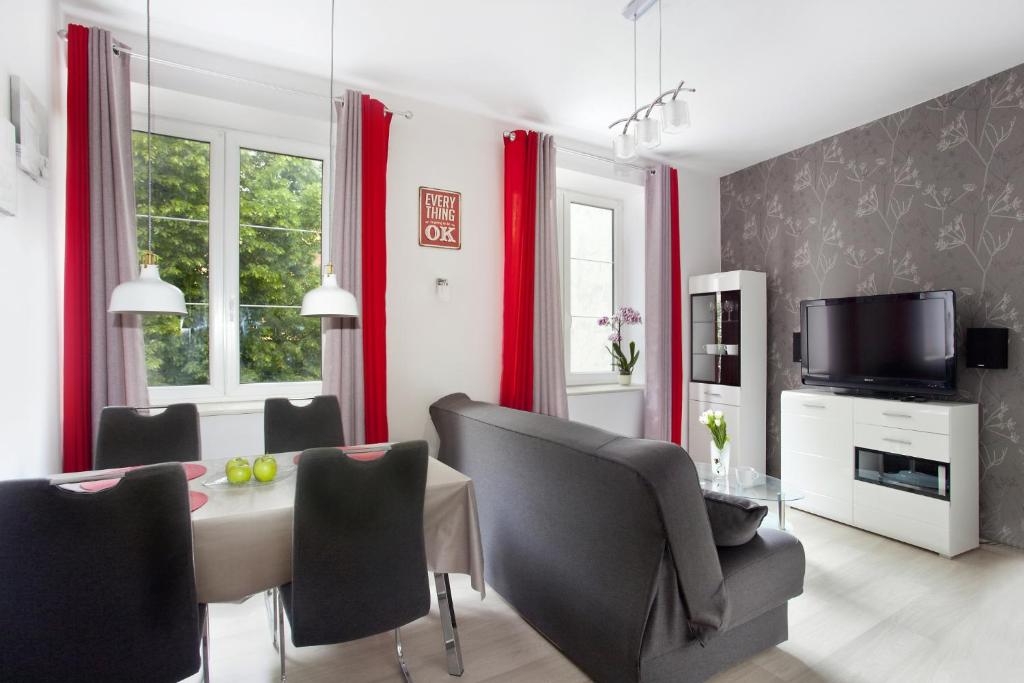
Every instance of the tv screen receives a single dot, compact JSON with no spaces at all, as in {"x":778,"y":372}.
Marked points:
{"x":894,"y":343}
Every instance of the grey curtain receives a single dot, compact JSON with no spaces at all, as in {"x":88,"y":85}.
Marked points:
{"x":118,"y":362}
{"x":343,"y":345}
{"x":658,"y":306}
{"x":549,"y":395}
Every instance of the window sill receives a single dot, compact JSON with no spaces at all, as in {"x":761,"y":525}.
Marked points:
{"x":584,"y":389}
{"x":233,"y":407}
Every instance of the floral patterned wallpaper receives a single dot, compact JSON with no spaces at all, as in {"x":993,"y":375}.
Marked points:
{"x":926,"y":198}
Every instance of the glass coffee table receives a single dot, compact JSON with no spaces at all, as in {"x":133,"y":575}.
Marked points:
{"x":764,"y":488}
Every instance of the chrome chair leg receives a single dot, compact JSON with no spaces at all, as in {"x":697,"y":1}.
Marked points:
{"x":401,"y":656}
{"x":206,"y":646}
{"x":279,"y":613}
{"x":449,"y":627}
{"x":270,"y":605}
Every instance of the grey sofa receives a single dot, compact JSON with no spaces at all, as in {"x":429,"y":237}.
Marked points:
{"x":602,"y":543}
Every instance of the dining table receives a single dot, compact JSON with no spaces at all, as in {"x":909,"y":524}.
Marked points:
{"x":242,"y":533}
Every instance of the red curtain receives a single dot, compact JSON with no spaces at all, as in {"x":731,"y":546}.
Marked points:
{"x":376,"y":133}
{"x":520,"y":227}
{"x":677,"y":316}
{"x":77,"y":418}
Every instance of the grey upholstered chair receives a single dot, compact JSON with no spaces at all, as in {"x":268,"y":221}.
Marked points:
{"x":128,"y":438}
{"x":359,"y":567}
{"x":288,"y":427}
{"x":99,"y":586}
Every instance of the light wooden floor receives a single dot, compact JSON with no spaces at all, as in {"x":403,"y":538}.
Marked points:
{"x":872,"y":610}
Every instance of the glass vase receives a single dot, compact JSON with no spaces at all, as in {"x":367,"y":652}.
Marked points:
{"x":720,"y":461}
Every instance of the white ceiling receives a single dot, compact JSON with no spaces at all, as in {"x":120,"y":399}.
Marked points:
{"x":771,"y":75}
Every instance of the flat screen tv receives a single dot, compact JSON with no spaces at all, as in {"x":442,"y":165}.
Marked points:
{"x":892,"y":343}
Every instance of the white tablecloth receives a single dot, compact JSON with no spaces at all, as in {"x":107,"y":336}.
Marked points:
{"x":242,"y":537}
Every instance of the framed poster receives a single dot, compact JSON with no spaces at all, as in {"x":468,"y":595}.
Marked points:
{"x":8,"y":171}
{"x":440,"y":218}
{"x":30,"y":125}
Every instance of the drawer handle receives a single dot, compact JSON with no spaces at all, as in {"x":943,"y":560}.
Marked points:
{"x":898,"y":415}
{"x":713,"y":393}
{"x":813,"y":405}
{"x":899,"y":441}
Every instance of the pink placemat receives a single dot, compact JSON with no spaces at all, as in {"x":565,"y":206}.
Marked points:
{"x":363,"y":456}
{"x":192,"y":470}
{"x":196,"y":500}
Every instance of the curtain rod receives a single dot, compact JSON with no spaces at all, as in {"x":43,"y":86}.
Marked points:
{"x":63,"y":35}
{"x":588,"y":155}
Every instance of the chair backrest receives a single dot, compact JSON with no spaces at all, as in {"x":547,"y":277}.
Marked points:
{"x":288,"y":427}
{"x":359,"y":564}
{"x":98,"y":586}
{"x":128,"y":438}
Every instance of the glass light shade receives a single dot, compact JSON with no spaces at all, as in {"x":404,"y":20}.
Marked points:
{"x":624,"y":147}
{"x":147,"y":295}
{"x":329,"y":301}
{"x":676,"y":115}
{"x":648,"y":132}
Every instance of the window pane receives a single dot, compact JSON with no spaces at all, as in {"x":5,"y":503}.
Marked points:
{"x":278,"y":345}
{"x":177,"y":349}
{"x":278,"y":261}
{"x":590,"y":236}
{"x":590,"y":286}
{"x":587,"y":344}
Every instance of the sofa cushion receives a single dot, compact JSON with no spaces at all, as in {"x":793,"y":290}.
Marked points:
{"x":761,"y":574}
{"x":734,"y":520}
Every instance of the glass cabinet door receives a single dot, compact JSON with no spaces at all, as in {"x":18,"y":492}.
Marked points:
{"x":715,"y":338}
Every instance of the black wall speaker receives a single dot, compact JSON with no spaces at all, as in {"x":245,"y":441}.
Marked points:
{"x":796,"y":347}
{"x":988,"y":347}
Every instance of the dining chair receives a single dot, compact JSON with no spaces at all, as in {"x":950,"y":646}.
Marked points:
{"x":100,"y":586}
{"x":288,"y":427}
{"x":127,"y":438}
{"x":359,"y":567}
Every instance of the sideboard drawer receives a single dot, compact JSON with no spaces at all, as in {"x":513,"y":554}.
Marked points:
{"x":903,"y":441}
{"x":817,"y":405}
{"x":921,"y":417}
{"x":715,"y":393}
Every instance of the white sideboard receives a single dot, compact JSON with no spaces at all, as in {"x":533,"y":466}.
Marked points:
{"x":735,"y":382}
{"x":824,"y":434}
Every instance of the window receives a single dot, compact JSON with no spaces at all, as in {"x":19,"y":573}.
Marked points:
{"x":177,"y":349}
{"x":278,"y":261}
{"x":590,"y":237}
{"x":237,"y":225}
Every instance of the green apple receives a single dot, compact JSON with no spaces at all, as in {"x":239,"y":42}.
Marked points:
{"x":238,"y":470}
{"x":265,"y":468}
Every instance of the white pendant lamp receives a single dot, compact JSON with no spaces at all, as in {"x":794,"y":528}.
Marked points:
{"x":648,"y":132}
{"x":148,"y":294}
{"x":329,"y":300}
{"x":624,"y":146}
{"x":676,"y":115}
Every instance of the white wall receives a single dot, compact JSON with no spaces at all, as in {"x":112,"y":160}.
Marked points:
{"x":700,"y":231}
{"x":31,"y":248}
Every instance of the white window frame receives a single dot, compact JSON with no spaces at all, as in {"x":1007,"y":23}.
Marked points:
{"x":566,"y":197}
{"x":225,"y":349}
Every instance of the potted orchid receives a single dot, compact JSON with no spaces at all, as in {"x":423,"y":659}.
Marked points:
{"x":623,"y":364}
{"x":714,"y":420}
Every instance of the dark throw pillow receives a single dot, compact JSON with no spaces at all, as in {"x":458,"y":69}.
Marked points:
{"x":734,"y":520}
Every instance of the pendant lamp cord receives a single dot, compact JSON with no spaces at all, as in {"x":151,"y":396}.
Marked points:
{"x":330,"y":142}
{"x":634,"y":63}
{"x":659,"y":46}
{"x":149,"y":134}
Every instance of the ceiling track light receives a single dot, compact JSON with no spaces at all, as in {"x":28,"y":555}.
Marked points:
{"x":675,"y":112}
